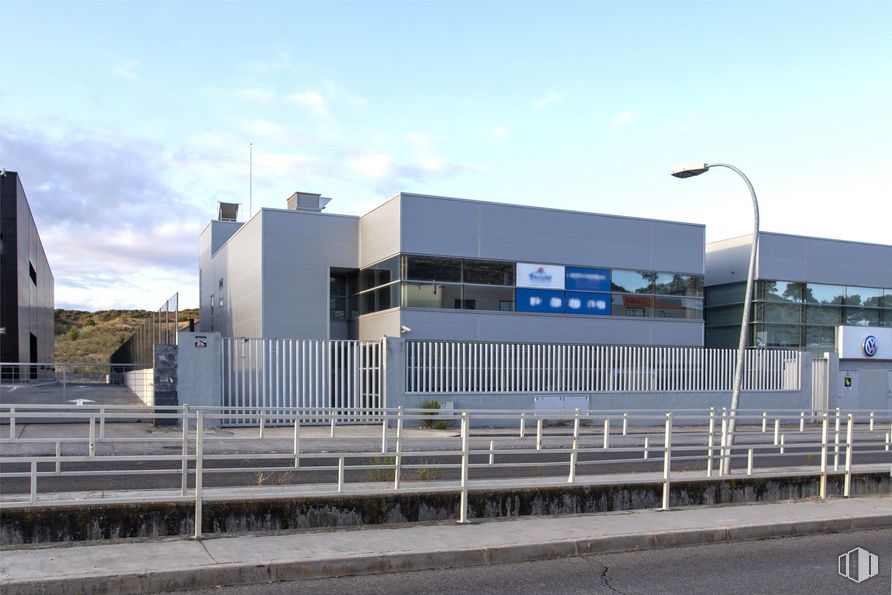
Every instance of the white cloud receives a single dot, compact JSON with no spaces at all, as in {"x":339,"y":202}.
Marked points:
{"x":313,"y":101}
{"x":255,"y":95}
{"x":623,"y":118}
{"x":126,"y":69}
{"x":376,"y":166}
{"x":549,"y":98}
{"x":281,"y":62}
{"x":499,"y":132}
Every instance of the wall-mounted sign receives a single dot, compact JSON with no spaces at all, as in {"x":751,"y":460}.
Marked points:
{"x":539,"y":300}
{"x":201,"y":341}
{"x":578,"y":302}
{"x":545,"y":276}
{"x":587,"y":279}
{"x":864,"y":342}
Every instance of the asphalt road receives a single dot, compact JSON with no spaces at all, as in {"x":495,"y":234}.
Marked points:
{"x":796,"y":565}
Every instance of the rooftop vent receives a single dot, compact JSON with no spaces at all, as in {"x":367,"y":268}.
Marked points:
{"x":227,"y":211}
{"x":307,"y":201}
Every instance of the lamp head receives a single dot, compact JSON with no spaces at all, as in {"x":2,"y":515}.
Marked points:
{"x":690,"y":170}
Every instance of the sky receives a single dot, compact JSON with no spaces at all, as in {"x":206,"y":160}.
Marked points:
{"x":128,"y":121}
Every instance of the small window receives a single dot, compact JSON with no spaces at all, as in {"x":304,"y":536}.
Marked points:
{"x":221,"y":283}
{"x":32,"y":273}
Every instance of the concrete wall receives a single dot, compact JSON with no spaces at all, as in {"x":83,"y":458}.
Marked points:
{"x":871,"y":385}
{"x":212,"y":238}
{"x":379,"y":232}
{"x":141,"y":382}
{"x":299,"y":248}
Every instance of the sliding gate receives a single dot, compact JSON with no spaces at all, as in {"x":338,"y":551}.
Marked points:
{"x":323,"y":376}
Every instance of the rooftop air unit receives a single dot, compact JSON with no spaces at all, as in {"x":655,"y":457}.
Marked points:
{"x":227,"y":211}
{"x":307,"y":201}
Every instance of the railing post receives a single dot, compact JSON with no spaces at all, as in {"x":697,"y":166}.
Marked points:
{"x":667,"y":460}
{"x":33,"y":481}
{"x":764,"y":421}
{"x":801,"y":421}
{"x":384,"y":435}
{"x":777,"y":431}
{"x":91,"y":443}
{"x":749,"y":462}
{"x":782,"y":437}
{"x":523,"y":425}
{"x":625,"y":422}
{"x":723,"y":441}
{"x":871,"y":421}
{"x":397,"y":460}
{"x":646,"y":440}
{"x":102,"y":423}
{"x":297,"y":442}
{"x":606,"y":433}
{"x":12,"y":423}
{"x":58,"y":457}
{"x":823,"y":489}
{"x":709,"y":442}
{"x":340,"y":474}
{"x":492,"y":454}
{"x":465,"y":441}
{"x":573,"y":455}
{"x":836,"y":445}
{"x":848,"y":483}
{"x":184,"y":480}
{"x":262,"y":424}
{"x":334,"y":421}
{"x":199,"y":468}
{"x":64,"y":384}
{"x":538,"y":433}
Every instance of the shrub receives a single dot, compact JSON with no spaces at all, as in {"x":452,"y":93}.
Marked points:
{"x":431,"y":423}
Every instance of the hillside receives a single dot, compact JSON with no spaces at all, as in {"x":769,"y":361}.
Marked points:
{"x":94,"y":336}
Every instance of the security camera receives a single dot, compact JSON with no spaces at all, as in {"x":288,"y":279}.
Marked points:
{"x":404,"y":329}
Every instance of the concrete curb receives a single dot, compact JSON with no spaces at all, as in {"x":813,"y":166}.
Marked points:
{"x":204,"y":577}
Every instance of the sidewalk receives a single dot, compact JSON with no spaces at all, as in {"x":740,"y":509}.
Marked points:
{"x":175,"y":564}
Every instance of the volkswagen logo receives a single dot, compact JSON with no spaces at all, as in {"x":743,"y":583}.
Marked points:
{"x":869,"y":346}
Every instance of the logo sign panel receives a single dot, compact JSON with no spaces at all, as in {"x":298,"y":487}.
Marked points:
{"x":864,"y":342}
{"x":544,"y":276}
{"x":577,"y":302}
{"x":539,"y":300}
{"x":587,"y":279}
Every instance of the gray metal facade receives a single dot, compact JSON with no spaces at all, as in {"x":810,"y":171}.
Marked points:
{"x":273,"y":271}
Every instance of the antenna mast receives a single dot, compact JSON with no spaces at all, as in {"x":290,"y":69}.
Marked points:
{"x":250,"y":178}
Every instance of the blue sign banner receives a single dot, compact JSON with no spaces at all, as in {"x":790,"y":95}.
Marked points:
{"x":539,"y":300}
{"x":587,"y":279}
{"x":577,"y":302}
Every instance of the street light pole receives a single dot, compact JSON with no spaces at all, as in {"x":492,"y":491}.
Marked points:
{"x":695,"y":170}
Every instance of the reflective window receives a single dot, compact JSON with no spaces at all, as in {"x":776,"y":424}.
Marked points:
{"x":724,"y":315}
{"x":431,"y":268}
{"x":488,"y":298}
{"x":780,"y":291}
{"x":864,"y":296}
{"x":781,"y":313}
{"x":678,"y":284}
{"x":632,"y":305}
{"x":431,"y":295}
{"x":731,"y":293}
{"x":632,"y":281}
{"x":379,"y":274}
{"x":776,"y":335}
{"x":678,"y":307}
{"x":488,"y":272}
{"x":862,"y":317}
{"x":887,"y":298}
{"x":824,"y":294}
{"x":823,"y":315}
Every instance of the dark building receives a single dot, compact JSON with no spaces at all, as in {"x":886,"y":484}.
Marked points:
{"x":26,"y":284}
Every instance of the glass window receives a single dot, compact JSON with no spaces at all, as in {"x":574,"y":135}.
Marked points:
{"x":632,"y":305}
{"x":862,"y":317}
{"x":887,"y":298}
{"x":780,"y":313}
{"x":780,"y":291}
{"x":632,"y":281}
{"x":337,"y":307}
{"x":820,"y":336}
{"x":724,"y":315}
{"x":864,"y":296}
{"x":777,"y":335}
{"x":431,"y":268}
{"x":488,"y":272}
{"x":379,"y":274}
{"x":724,"y":337}
{"x":678,"y":307}
{"x":678,"y":284}
{"x":431,"y":295}
{"x":488,"y":298}
{"x":824,"y":294}
{"x":823,"y":315}
{"x":730,"y":293}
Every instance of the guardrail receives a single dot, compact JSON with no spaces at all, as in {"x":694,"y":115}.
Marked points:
{"x":405,"y":451}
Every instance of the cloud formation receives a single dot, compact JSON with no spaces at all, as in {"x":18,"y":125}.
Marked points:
{"x":312,"y":101}
{"x":549,"y":98}
{"x":623,"y":118}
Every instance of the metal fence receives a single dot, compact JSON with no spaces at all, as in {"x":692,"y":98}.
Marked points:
{"x":549,"y":448}
{"x":65,"y":383}
{"x":160,"y":329}
{"x":458,"y":367}
{"x":322,"y":374}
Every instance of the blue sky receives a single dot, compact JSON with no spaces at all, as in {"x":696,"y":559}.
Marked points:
{"x":129,"y":120}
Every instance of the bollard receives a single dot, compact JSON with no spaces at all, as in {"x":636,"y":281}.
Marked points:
{"x":58,"y":457}
{"x":398,"y":460}
{"x":333,"y":422}
{"x":384,"y":435}
{"x":777,"y":431}
{"x":749,"y":462}
{"x":91,"y":444}
{"x":296,"y":442}
{"x":573,"y":454}
{"x":523,"y":425}
{"x":709,"y":442}
{"x":802,"y":421}
{"x":823,"y":490}
{"x":262,"y":424}
{"x":607,"y":433}
{"x":871,"y":421}
{"x":33,"y":481}
{"x":340,"y":474}
{"x":836,"y":445}
{"x":492,"y":445}
{"x":101,"y":423}
{"x":764,"y":421}
{"x":667,"y":460}
{"x":645,"y":447}
{"x":539,"y":433}
{"x":463,"y":505}
{"x":848,"y":482}
{"x":184,"y":452}
{"x":625,"y":422}
{"x":782,"y":444}
{"x":199,"y":464}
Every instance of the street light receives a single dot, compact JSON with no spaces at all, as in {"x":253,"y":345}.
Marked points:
{"x":695,"y":169}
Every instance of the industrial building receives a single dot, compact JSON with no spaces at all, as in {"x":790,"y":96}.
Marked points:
{"x":26,"y":283}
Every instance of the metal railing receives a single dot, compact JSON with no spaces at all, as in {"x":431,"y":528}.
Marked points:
{"x":401,"y":453}
{"x":462,"y":367}
{"x":74,"y":383}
